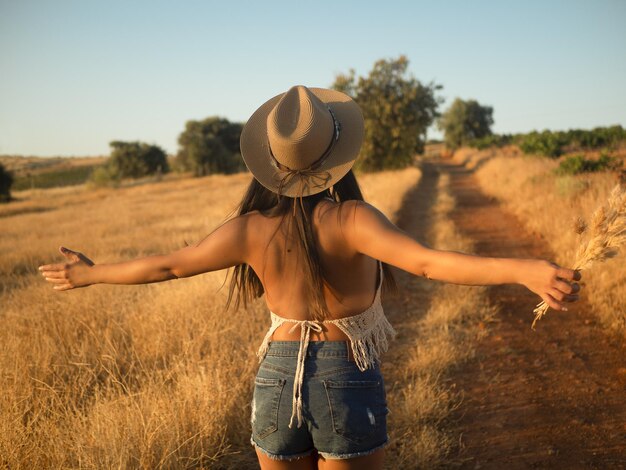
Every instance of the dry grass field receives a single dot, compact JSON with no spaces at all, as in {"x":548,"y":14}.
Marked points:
{"x":549,"y":204}
{"x":158,"y":376}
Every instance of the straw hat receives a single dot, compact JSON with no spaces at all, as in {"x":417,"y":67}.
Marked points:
{"x":303,"y":141}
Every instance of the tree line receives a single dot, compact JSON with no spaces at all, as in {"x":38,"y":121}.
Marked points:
{"x":553,"y":144}
{"x":397,"y":108}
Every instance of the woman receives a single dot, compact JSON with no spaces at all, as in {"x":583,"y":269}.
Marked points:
{"x":306,"y":239}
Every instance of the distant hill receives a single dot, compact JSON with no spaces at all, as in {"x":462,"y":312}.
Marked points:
{"x":48,"y":172}
{"x":19,"y":164}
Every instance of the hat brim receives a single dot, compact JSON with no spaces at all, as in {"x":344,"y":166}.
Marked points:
{"x":256,"y":152}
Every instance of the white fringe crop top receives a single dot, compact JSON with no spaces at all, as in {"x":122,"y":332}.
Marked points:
{"x":368,"y":333}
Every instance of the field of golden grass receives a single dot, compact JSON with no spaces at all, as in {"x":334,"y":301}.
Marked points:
{"x":157,"y":376}
{"x":548,"y":204}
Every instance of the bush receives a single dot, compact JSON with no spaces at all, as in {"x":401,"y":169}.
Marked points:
{"x":104,"y":176}
{"x":545,"y":143}
{"x":6,"y":180}
{"x":210,"y":146}
{"x":130,"y":160}
{"x":599,"y":137}
{"x":493,"y":140}
{"x":576,"y":164}
{"x":136,"y":159}
{"x":552,"y":144}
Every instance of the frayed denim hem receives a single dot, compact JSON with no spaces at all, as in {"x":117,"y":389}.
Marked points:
{"x":281,"y":457}
{"x":330,"y":455}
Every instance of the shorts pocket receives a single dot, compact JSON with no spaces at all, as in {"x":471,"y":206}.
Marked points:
{"x":357,"y":407}
{"x":265,"y":405}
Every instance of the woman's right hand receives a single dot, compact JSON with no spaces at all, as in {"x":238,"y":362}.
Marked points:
{"x":69,"y":275}
{"x":553,"y":283}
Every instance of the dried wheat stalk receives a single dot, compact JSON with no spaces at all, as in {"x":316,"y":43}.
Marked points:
{"x":607,"y":233}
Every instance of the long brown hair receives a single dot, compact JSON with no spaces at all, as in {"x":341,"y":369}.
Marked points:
{"x":296,"y":211}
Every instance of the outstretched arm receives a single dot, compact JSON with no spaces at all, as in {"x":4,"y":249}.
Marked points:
{"x":371,"y":233}
{"x":225,"y":247}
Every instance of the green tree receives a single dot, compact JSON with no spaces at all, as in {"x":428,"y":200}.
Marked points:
{"x":136,"y":159}
{"x":6,"y":180}
{"x":465,"y":121}
{"x":398,"y":110}
{"x":210,"y":146}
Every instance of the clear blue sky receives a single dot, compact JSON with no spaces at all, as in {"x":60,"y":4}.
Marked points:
{"x":78,"y":74}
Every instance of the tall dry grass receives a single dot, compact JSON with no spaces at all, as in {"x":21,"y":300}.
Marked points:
{"x":442,"y":338}
{"x":153,"y":376}
{"x":549,"y":204}
{"x":606,"y":236}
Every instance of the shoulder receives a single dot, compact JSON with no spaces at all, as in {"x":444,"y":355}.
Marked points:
{"x":354,"y":213}
{"x":242,"y":221}
{"x":239,"y":228}
{"x":352,"y":218}
{"x":254,"y":225}
{"x":249,"y":223}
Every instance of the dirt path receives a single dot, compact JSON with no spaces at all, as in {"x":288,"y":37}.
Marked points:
{"x":409,"y":303}
{"x":552,"y":398}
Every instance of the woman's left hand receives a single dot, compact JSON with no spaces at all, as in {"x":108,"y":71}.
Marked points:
{"x":556,"y":285}
{"x":69,"y":275}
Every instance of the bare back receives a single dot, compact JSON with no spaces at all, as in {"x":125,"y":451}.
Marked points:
{"x":349,"y":276}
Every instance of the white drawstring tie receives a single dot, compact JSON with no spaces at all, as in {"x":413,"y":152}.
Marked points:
{"x":305,"y":333}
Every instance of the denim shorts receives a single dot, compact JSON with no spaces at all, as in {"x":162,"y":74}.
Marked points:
{"x":344,"y":410}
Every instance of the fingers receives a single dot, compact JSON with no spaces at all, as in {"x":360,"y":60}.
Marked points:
{"x":563,"y":291}
{"x":566,"y":287}
{"x":59,"y":274}
{"x":568,"y":274}
{"x":556,"y":299}
{"x":59,"y":278}
{"x":562,"y":286}
{"x":553,"y":303}
{"x":54,"y":274}
{"x":63,"y":287}
{"x":69,"y":254}
{"x":52,"y":267}
{"x":562,"y":297}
